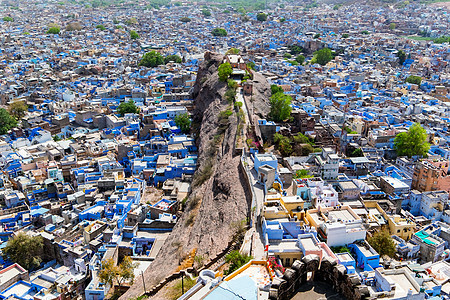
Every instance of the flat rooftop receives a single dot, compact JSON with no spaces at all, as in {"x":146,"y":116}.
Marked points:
{"x":343,"y":215}
{"x":403,"y":285}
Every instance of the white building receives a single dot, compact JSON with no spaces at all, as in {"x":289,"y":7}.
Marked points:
{"x":329,"y":163}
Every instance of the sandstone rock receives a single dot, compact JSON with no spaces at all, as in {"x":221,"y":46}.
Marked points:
{"x":225,"y":199}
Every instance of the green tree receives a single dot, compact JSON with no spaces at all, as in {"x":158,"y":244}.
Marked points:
{"x":392,"y":26}
{"x":134,"y":35}
{"x":251,"y":65}
{"x":295,"y":49}
{"x":24,"y":249}
{"x":111,"y":274}
{"x":287,"y":55}
{"x":323,"y":56}
{"x":127,"y":108}
{"x":275,"y":89}
{"x":365,"y":32}
{"x":282,"y":20}
{"x":236,"y":260}
{"x":18,"y":109}
{"x":206,"y":12}
{"x":185,"y":19}
{"x":101,"y":27}
{"x":413,"y":142}
{"x":401,"y":57}
{"x":414,"y":79}
{"x":225,"y":71}
{"x":131,"y":21}
{"x":53,"y":30}
{"x":261,"y":17}
{"x":345,"y":36}
{"x":8,"y":19}
{"x":383,"y":243}
{"x":183,"y":122}
{"x":232,"y":51}
{"x":316,"y":36}
{"x":219,"y":32}
{"x":283,"y":144}
{"x":6,"y":121}
{"x":151,"y":59}
{"x":280,"y":107}
{"x":174,"y":58}
{"x":300,"y":59}
{"x":303,"y":173}
{"x":356,"y":153}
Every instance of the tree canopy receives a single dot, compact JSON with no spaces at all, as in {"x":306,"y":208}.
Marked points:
{"x":283,"y":144}
{"x":151,"y":59}
{"x":323,"y":56}
{"x":300,"y":59}
{"x":401,"y":57}
{"x":232,"y":51}
{"x":18,"y":109}
{"x":225,"y":71}
{"x":134,"y":35}
{"x":206,"y":12}
{"x":414,"y":79}
{"x":174,"y":58}
{"x":261,"y":17}
{"x":280,"y":107}
{"x":219,"y":32}
{"x":124,"y":272}
{"x":101,"y":27}
{"x":6,"y":121}
{"x":53,"y":30}
{"x":236,"y":260}
{"x":7,"y":19}
{"x":131,"y":21}
{"x":413,"y":142}
{"x":276,"y":89}
{"x":24,"y":249}
{"x":383,"y":243}
{"x":127,"y":108}
{"x":183,"y":122}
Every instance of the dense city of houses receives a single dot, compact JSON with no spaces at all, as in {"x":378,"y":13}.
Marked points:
{"x":95,"y":184}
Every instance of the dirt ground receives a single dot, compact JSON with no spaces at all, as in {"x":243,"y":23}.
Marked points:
{"x":152,"y":195}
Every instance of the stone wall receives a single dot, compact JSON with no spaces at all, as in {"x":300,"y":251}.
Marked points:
{"x":329,"y":272}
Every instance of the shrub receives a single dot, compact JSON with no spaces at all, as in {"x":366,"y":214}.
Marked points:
{"x":134,"y":35}
{"x":261,"y":17}
{"x":225,"y":71}
{"x":53,"y":30}
{"x":219,"y":32}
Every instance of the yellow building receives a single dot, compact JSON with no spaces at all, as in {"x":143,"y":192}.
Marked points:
{"x":283,"y":207}
{"x":397,"y":225}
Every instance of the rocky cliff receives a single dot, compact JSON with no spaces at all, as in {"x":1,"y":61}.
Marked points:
{"x":219,"y":195}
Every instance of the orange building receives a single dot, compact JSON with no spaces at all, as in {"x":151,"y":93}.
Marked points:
{"x":431,"y":175}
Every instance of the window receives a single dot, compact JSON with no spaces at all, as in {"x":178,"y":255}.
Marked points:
{"x":288,"y":262}
{"x":398,"y":231}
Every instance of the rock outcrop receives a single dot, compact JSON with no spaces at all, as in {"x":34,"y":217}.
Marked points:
{"x":219,"y":196}
{"x":260,"y":96}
